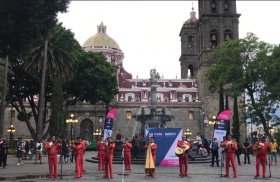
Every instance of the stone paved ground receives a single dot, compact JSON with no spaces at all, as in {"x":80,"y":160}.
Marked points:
{"x":198,"y":172}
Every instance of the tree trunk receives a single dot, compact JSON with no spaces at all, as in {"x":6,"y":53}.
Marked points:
{"x":4,"y":93}
{"x":235,"y":123}
{"x":226,"y":108}
{"x":39,"y":129}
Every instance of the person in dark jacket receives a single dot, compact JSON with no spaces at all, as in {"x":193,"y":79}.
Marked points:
{"x":215,"y":151}
{"x":3,"y":153}
{"x":238,"y":153}
{"x":64,"y":151}
{"x":205,"y":143}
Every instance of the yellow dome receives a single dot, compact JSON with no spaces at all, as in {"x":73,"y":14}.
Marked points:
{"x":101,"y":39}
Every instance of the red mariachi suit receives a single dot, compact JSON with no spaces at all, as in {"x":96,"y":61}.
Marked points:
{"x":109,"y":150}
{"x":154,"y":152}
{"x":230,"y":154}
{"x":101,"y":155}
{"x":52,"y":157}
{"x":183,"y":159}
{"x":79,"y":148}
{"x":127,"y":156}
{"x":261,"y":157}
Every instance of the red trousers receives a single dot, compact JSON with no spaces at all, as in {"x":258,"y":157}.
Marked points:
{"x":52,"y":160}
{"x":230,"y":157}
{"x":262,"y":159}
{"x":101,"y":160}
{"x":109,"y":166}
{"x":127,"y":160}
{"x":183,"y":161}
{"x":79,"y":165}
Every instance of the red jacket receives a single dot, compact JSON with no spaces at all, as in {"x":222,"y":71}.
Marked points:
{"x":118,"y":137}
{"x":153,"y":148}
{"x":101,"y":146}
{"x":231,"y":148}
{"x":110,"y":149}
{"x":127,"y":147}
{"x":52,"y":149}
{"x":79,"y":147}
{"x":182,"y":143}
{"x":263,"y":150}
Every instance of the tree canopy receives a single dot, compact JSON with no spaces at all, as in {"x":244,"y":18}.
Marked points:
{"x":94,"y":80}
{"x":248,"y":65}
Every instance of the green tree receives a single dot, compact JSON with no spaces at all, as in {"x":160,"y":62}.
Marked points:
{"x":235,"y":123}
{"x":93,"y":81}
{"x":245,"y":65}
{"x":61,"y":58}
{"x":21,"y":23}
{"x":57,"y":119}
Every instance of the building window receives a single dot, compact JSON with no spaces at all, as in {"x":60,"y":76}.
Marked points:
{"x":129,"y":98}
{"x":187,"y":99}
{"x":190,"y":114}
{"x":128,"y":114}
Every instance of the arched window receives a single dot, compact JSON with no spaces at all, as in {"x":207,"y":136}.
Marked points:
{"x":190,"y":71}
{"x":213,"y":38}
{"x":227,"y":35}
{"x":226,"y":6}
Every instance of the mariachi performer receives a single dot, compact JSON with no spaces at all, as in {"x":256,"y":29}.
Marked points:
{"x":127,"y":154}
{"x":186,"y":146}
{"x":79,"y":148}
{"x":150,"y":157}
{"x":53,"y":147}
{"x":260,"y":150}
{"x":101,"y":145}
{"x":109,"y":150}
{"x":229,"y":147}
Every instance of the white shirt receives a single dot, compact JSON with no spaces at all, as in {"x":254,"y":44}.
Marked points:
{"x":37,"y":145}
{"x":199,"y":140}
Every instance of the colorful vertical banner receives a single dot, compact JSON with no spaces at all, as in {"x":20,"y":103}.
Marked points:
{"x":221,"y":125}
{"x":109,"y":122}
{"x":166,"y":140}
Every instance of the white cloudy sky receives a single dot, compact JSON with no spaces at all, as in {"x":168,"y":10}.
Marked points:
{"x":148,"y":32}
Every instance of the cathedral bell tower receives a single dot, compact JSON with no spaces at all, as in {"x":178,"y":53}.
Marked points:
{"x":218,"y":22}
{"x":189,"y":46}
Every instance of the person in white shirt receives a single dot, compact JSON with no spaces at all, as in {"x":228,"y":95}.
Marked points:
{"x":39,"y":148}
{"x":202,"y":151}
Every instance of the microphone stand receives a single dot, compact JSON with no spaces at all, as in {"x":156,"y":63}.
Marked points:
{"x":123,"y":164}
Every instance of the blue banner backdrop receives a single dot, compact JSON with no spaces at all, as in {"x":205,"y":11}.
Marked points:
{"x":166,"y":140}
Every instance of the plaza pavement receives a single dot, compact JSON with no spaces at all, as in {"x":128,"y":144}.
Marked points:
{"x":197,"y":172}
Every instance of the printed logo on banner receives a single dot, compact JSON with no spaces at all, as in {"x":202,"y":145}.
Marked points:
{"x":158,"y":135}
{"x":172,"y":135}
{"x":151,"y":135}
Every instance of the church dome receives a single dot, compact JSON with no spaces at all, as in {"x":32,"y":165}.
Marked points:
{"x":101,"y":39}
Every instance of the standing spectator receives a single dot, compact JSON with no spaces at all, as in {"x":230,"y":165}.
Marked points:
{"x":39,"y":149}
{"x":64,"y":151}
{"x":137,"y":145}
{"x":20,"y":148}
{"x":32,"y":146}
{"x":73,"y":152}
{"x":205,"y":143}
{"x":215,"y":151}
{"x":3,"y":153}
{"x":118,"y":136}
{"x":199,"y":142}
{"x":223,"y":153}
{"x":246,"y":146}
{"x":238,"y":152}
{"x":27,"y":149}
{"x":273,"y":147}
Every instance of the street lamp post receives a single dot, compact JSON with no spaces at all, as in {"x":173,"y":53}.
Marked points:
{"x":72,"y":120}
{"x":188,"y":132}
{"x":11,"y":130}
